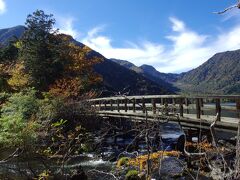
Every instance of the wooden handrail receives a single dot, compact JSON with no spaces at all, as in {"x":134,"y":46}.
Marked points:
{"x":186,"y":106}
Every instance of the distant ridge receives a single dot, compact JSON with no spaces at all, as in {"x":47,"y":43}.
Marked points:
{"x":219,"y":75}
{"x":8,"y":34}
{"x":151,"y":73}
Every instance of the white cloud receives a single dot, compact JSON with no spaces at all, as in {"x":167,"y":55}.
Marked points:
{"x":3,"y":7}
{"x":178,"y":26}
{"x":188,"y":48}
{"x":65,"y":25}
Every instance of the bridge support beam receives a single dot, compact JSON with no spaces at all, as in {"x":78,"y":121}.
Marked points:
{"x":134,"y":105}
{"x":198,"y":108}
{"x":118,"y":108}
{"x":143,"y":105}
{"x":154,"y":106}
{"x":218,"y":109}
{"x":181,"y":107}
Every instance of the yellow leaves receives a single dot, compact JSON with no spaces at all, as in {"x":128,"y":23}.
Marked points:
{"x":18,"y":79}
{"x":45,"y":175}
{"x":18,"y":44}
{"x":141,"y":161}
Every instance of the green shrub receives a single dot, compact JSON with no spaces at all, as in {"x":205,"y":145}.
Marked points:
{"x":122,"y":161}
{"x":132,"y":175}
{"x":17,"y":121}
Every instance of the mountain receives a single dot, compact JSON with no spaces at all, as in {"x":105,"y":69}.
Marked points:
{"x":8,"y":34}
{"x":168,"y":77}
{"x":151,"y":73}
{"x":219,"y":75}
{"x":116,"y":78}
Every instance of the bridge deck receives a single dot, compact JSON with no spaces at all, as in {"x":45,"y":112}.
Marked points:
{"x":193,"y":111}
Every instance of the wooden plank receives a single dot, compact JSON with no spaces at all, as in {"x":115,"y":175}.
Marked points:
{"x":138,"y":97}
{"x":229,"y":124}
{"x":172,"y":96}
{"x":218,"y":108}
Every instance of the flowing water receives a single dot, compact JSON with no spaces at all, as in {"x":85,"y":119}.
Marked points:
{"x":103,"y":160}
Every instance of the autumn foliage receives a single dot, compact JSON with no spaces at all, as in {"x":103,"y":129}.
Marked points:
{"x":78,"y":75}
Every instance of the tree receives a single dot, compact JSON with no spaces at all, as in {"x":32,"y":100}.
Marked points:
{"x":78,"y":75}
{"x":8,"y":57}
{"x":40,"y":50}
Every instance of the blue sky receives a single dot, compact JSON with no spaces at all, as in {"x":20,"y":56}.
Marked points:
{"x":173,"y":36}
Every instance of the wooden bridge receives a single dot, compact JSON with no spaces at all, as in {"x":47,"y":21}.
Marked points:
{"x":189,"y":111}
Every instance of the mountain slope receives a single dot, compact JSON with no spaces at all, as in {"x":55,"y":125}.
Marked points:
{"x":9,"y":33}
{"x":116,"y":78}
{"x":168,"y":77}
{"x":220,"y":74}
{"x":151,"y":73}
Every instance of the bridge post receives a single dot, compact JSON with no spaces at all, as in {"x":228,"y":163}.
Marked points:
{"x":187,"y":104}
{"x":111,"y":104}
{"x":125,"y":104}
{"x":198,"y":108}
{"x":94,"y":104}
{"x":201,"y":105}
{"x":134,"y":105}
{"x":218,"y":109}
{"x":162,"y":101}
{"x":143,"y":105}
{"x":118,"y":108}
{"x":153,"y":106}
{"x":105,"y":105}
{"x":99,"y":102}
{"x":238,"y":106}
{"x":173,"y":101}
{"x":181,"y":107}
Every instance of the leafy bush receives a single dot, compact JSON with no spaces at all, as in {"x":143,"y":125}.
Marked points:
{"x":132,"y":175}
{"x":122,"y":161}
{"x":17,"y":121}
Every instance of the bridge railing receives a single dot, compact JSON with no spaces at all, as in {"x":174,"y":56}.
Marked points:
{"x":186,"y":106}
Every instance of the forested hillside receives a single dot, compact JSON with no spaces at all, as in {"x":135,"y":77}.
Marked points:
{"x":220,"y":74}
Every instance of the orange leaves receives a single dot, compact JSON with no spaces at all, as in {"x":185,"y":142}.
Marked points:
{"x":78,"y":73}
{"x":67,"y":87}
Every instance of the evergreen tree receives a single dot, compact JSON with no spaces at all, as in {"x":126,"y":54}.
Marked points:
{"x":40,"y":50}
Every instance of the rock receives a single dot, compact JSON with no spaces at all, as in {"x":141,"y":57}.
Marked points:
{"x":171,"y":167}
{"x":180,"y":143}
{"x":79,"y":174}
